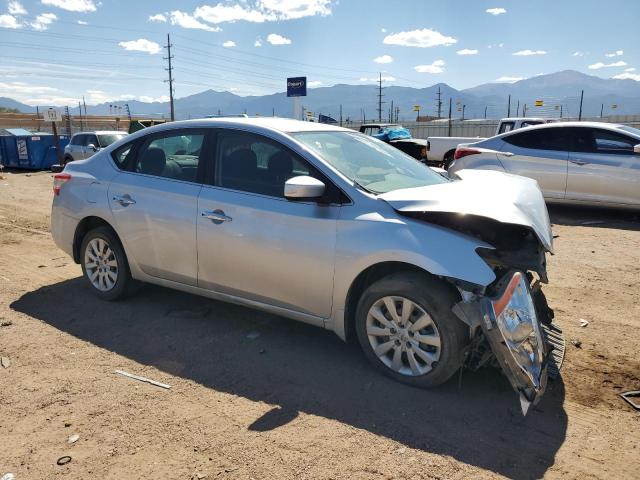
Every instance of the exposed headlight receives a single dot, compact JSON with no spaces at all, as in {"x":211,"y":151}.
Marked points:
{"x":516,"y":318}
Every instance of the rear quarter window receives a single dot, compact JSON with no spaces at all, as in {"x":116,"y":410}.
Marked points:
{"x":122,"y":155}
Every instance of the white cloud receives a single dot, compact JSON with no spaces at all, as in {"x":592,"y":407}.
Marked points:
{"x":184,"y":20}
{"x":385,"y":78}
{"x":314,"y":83}
{"x":9,"y":21}
{"x":16,"y":8}
{"x":72,"y":5}
{"x":82,"y":22}
{"x":43,"y":21}
{"x":147,"y":99}
{"x":528,"y":53}
{"x":632,"y":69}
{"x":275,"y":39}
{"x":436,"y":67}
{"x":577,"y":54}
{"x":141,"y":45}
{"x":467,"y":51}
{"x":229,"y":44}
{"x":599,"y":65}
{"x":628,"y":76}
{"x":383,"y":59}
{"x":617,"y":53}
{"x":263,"y":11}
{"x":158,"y":17}
{"x":496,"y":11}
{"x":258,"y":42}
{"x":292,"y":9}
{"x":21,"y":87}
{"x":423,"y":38}
{"x":506,"y":79}
{"x":383,"y":30}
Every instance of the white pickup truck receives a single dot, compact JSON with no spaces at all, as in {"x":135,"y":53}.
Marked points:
{"x":441,"y":149}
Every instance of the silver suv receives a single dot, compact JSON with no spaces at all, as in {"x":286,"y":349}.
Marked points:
{"x":84,"y":144}
{"x":323,"y":225}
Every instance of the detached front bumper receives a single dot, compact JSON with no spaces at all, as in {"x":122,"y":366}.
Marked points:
{"x":511,"y":325}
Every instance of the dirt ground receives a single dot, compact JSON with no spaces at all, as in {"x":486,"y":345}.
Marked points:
{"x":294,"y":401}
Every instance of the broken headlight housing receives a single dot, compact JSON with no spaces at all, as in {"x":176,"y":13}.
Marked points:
{"x":511,"y":325}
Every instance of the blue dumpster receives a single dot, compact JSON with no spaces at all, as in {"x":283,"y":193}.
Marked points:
{"x":20,"y":148}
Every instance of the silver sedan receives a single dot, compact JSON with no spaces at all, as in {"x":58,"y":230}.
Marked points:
{"x":588,"y":163}
{"x":326,"y":226}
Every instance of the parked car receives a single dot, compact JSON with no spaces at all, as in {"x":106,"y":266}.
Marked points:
{"x":588,"y":163}
{"x":327,"y":226}
{"x":440,"y":150}
{"x":399,"y":137}
{"x":84,"y":144}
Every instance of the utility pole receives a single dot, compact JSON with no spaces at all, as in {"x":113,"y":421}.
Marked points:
{"x":85,"y":108}
{"x":581,"y":98}
{"x":340,"y":114}
{"x":439,"y":103}
{"x":524,"y":110}
{"x":518,"y":109}
{"x":561,"y":110}
{"x":169,"y":57}
{"x":509,"y":107}
{"x":450,"y":102}
{"x":82,"y":126}
{"x":601,"y":109}
{"x":485,"y":112}
{"x":463,"y":107}
{"x":380,"y":102}
{"x":397,"y":114}
{"x":391,"y":112}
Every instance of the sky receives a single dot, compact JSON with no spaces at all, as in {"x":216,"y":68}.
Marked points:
{"x":56,"y":51}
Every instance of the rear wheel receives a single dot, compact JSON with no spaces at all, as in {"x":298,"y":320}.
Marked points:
{"x":104,"y":264}
{"x":407,"y":330}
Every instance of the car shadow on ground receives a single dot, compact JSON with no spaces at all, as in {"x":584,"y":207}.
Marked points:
{"x":594,"y":217}
{"x":299,"y":368}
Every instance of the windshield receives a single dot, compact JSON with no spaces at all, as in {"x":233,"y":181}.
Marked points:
{"x":108,"y":139}
{"x":631,"y":130}
{"x":370,"y":163}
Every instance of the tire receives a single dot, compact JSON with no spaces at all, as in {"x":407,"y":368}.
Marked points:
{"x":445,"y":335}
{"x":113,"y":280}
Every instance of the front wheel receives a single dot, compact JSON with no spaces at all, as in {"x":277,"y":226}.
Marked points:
{"x":104,"y":264}
{"x":407,"y":330}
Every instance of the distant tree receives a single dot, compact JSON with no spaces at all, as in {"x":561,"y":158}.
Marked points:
{"x":9,"y":110}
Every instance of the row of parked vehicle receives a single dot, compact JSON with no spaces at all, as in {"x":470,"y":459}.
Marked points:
{"x":588,"y":163}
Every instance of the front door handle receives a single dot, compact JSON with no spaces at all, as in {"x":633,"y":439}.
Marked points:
{"x":506,"y":154}
{"x":124,"y":200}
{"x":216,"y":216}
{"x":579,"y":162}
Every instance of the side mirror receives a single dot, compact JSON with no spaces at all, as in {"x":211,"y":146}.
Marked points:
{"x":636,"y":148}
{"x":56,"y":168}
{"x":303,"y":187}
{"x":91,"y":146}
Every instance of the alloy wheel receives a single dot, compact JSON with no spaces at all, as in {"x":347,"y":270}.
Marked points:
{"x":403,"y":336}
{"x":101,"y":265}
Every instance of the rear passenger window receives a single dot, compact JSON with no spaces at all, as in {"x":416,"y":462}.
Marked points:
{"x":176,"y":156}
{"x":541,"y":139}
{"x":251,"y":163}
{"x":506,"y":127}
{"x":121,"y":155}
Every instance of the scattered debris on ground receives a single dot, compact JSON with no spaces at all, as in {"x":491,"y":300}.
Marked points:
{"x":142,"y":379}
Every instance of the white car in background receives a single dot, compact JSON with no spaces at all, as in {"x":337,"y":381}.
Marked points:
{"x":84,"y":144}
{"x":589,"y":163}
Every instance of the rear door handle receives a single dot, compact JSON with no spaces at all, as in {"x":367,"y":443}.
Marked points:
{"x":506,"y":154}
{"x":579,"y":162}
{"x":124,"y":200}
{"x":216,"y":216}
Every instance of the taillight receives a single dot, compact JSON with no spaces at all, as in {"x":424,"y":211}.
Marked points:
{"x":464,"y":151}
{"x":59,"y":179}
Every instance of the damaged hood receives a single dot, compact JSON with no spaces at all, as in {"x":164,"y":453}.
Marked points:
{"x":499,"y":196}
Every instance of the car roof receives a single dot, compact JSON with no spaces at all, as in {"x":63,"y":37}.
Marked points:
{"x":380,"y":125}
{"x":604,"y":125}
{"x":277,"y":124}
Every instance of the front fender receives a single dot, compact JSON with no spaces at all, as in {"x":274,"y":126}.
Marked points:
{"x":364,"y":240}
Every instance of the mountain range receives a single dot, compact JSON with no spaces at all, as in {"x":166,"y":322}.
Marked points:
{"x":557,"y":91}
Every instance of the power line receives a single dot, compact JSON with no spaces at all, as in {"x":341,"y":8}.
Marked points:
{"x":380,"y":95}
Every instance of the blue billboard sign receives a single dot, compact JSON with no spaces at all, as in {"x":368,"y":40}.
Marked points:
{"x":297,"y":87}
